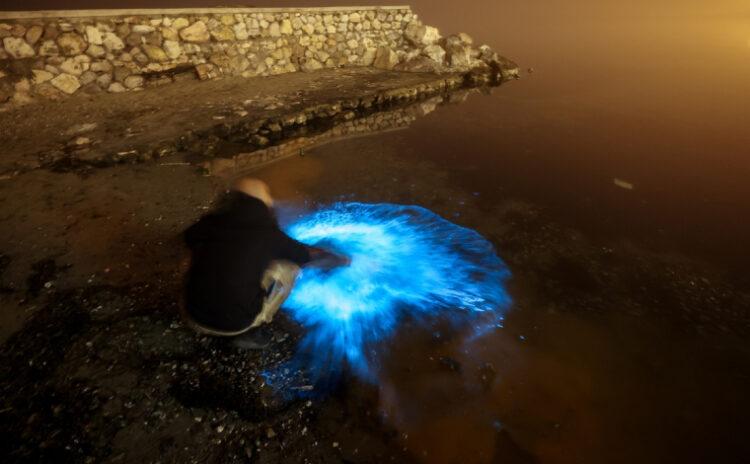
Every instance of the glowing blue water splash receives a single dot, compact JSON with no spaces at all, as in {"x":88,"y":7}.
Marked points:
{"x":404,"y":259}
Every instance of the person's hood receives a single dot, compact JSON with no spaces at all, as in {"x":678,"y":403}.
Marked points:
{"x":247,"y":210}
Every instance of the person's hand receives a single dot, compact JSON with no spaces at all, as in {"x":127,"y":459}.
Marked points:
{"x":328,"y":260}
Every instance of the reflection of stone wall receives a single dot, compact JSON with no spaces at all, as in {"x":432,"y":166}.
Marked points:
{"x":57,"y":53}
{"x":410,"y":105}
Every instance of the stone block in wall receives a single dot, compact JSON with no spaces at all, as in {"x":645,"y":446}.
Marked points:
{"x":170,"y":33}
{"x":40,"y":76}
{"x":180,"y":23}
{"x":96,"y":51}
{"x":33,"y":34}
{"x":222,"y":33}
{"x":93,"y":35}
{"x":420,"y":35}
{"x":385,"y":58}
{"x":18,"y":48}
{"x":112,"y":42}
{"x":172,"y":48}
{"x":71,"y":43}
{"x":154,"y":52}
{"x":66,"y":83}
{"x":197,"y":32}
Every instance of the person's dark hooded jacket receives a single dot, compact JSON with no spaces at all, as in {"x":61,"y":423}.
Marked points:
{"x":231,"y":249}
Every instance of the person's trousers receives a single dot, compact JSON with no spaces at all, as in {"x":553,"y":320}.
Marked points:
{"x":278,"y":281}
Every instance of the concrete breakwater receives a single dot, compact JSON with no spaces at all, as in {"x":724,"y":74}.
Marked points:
{"x":235,"y":141}
{"x":58,"y":53}
{"x":269,"y":140}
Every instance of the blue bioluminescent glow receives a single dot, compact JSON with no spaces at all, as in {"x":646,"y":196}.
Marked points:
{"x":405,"y":260}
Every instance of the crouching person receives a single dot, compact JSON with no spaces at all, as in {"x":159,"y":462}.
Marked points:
{"x":243,"y":266}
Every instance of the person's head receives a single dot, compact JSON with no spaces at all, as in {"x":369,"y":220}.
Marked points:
{"x":254,"y":188}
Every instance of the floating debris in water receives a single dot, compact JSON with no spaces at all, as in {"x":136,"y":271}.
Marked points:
{"x":623,"y":184}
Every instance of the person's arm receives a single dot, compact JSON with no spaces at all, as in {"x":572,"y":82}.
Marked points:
{"x":302,"y":254}
{"x":290,"y":249}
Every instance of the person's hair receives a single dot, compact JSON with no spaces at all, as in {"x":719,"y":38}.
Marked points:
{"x":254,"y":188}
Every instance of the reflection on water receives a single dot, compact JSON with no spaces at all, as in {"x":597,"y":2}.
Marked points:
{"x":614,"y":183}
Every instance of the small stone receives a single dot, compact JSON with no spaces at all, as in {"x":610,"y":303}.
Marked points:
{"x":286,"y":27}
{"x":88,"y":77}
{"x":71,"y":43}
{"x":49,"y":48}
{"x":311,"y":64}
{"x":116,"y":87}
{"x":141,"y":59}
{"x":18,"y":48}
{"x":465,"y":38}
{"x":66,"y":83}
{"x":97,"y":51}
{"x":180,"y":23}
{"x":198,"y":32}
{"x":435,"y":53}
{"x":352,"y":44}
{"x":270,"y":433}
{"x":419,"y":34}
{"x":71,"y":66}
{"x":154,"y":38}
{"x":154,"y":53}
{"x":18,"y":30}
{"x":121,"y":72}
{"x":93,"y":36}
{"x":172,"y":48}
{"x":240,"y":31}
{"x":459,"y":55}
{"x":385,"y":58}
{"x":101,"y":66}
{"x":142,"y":29}
{"x":206,"y":71}
{"x":274,"y":30}
{"x":112,"y":43}
{"x":170,"y":33}
{"x":40,"y":76}
{"x":81,"y":128}
{"x":133,"y":81}
{"x":34,"y":34}
{"x":223,"y":33}
{"x":104,"y":81}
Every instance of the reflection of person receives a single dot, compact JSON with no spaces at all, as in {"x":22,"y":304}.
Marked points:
{"x":243,"y":267}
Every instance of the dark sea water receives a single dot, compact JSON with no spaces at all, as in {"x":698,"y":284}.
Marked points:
{"x":615,"y":182}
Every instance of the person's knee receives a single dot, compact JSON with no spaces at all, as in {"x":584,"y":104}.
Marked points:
{"x":283,"y":271}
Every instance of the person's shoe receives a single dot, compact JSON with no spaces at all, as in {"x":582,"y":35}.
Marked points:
{"x":254,"y":339}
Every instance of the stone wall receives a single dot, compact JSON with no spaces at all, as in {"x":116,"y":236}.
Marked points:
{"x":53,"y":54}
